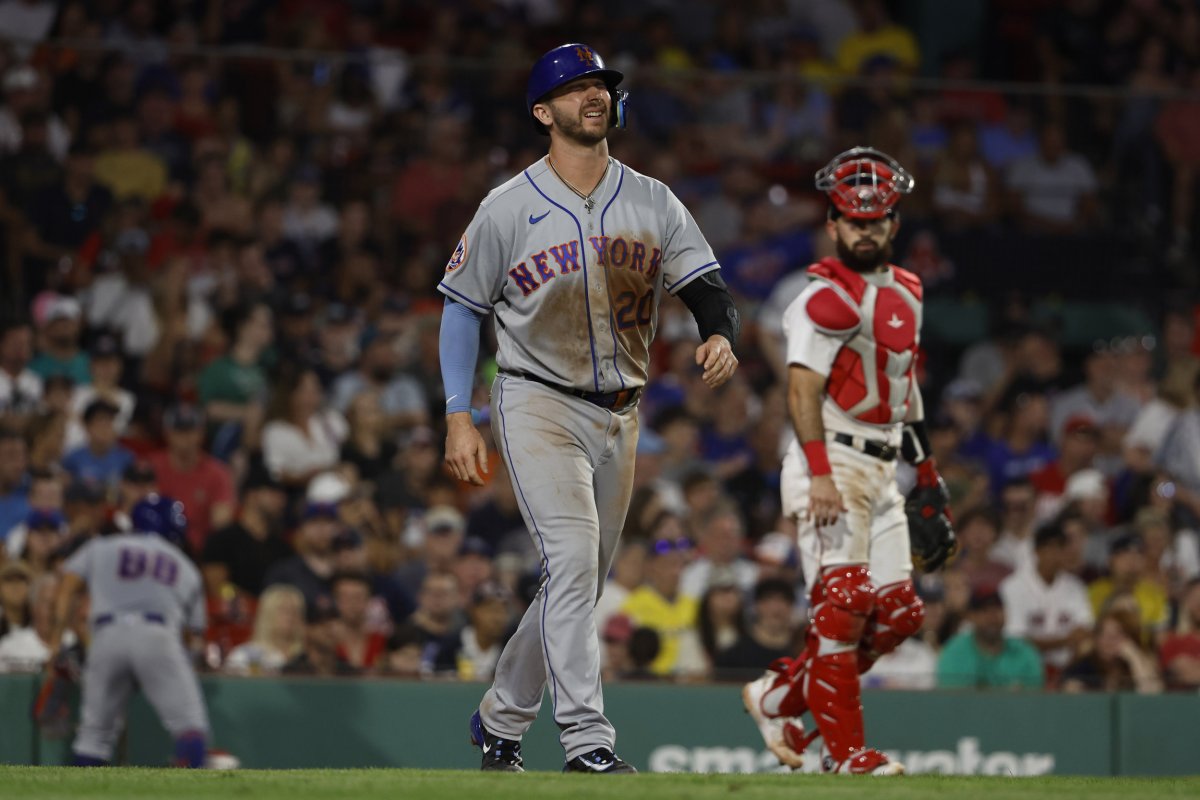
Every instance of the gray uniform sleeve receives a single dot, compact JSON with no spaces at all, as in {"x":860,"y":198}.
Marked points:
{"x":686,"y":253}
{"x":193,"y":600}
{"x":478,"y":267}
{"x":81,"y":561}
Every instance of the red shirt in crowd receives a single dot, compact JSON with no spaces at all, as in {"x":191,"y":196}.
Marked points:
{"x":199,"y":490}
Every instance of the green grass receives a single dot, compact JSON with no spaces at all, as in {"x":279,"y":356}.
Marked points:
{"x":53,"y":783}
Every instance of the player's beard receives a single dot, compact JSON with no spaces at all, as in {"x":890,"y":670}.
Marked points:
{"x":870,"y":260}
{"x":572,"y":128}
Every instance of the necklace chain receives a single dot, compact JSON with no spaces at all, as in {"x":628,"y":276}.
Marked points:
{"x":588,"y":202}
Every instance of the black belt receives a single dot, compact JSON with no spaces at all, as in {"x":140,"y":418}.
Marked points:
{"x":613,"y":401}
{"x":107,"y":619}
{"x":880,"y":450}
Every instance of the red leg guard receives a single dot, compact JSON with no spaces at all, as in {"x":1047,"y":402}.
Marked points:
{"x":899,"y":613}
{"x":849,"y":599}
{"x":832,"y":691}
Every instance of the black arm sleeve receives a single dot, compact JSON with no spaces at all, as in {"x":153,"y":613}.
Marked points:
{"x":711,"y":304}
{"x":914,"y":444}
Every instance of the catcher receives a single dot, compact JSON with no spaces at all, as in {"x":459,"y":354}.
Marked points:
{"x":852,"y":338}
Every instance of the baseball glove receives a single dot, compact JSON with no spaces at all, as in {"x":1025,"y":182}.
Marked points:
{"x":60,"y":687}
{"x":930,"y":531}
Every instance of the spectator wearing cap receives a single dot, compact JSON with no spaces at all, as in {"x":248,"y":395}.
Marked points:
{"x":302,"y":437}
{"x":233,"y":387}
{"x":119,"y":296}
{"x":45,"y":494}
{"x":297,"y":329}
{"x":660,"y":604}
{"x":1077,"y":448}
{"x":1127,"y":584}
{"x":320,"y":656}
{"x":498,"y":519}
{"x":401,"y":398}
{"x":14,"y":480}
{"x":338,"y":340}
{"x":1180,"y":453}
{"x":441,"y":531}
{"x":440,"y":612}
{"x":105,"y":367}
{"x":86,"y":511}
{"x":202,"y":483}
{"x":137,"y":481}
{"x":47,"y":529}
{"x":984,"y":657}
{"x":29,"y":172}
{"x":473,"y":567}
{"x":404,"y":649}
{"x":312,"y":567}
{"x":359,"y":644}
{"x":307,"y":219}
{"x":1046,"y":604}
{"x":59,"y":352}
{"x":26,"y":649}
{"x":769,"y":635}
{"x":20,"y":387}
{"x":1099,"y":398}
{"x":1023,"y":448}
{"x":25,"y":89}
{"x":278,"y":634}
{"x":472,"y":653}
{"x":65,"y":217}
{"x":243,"y":551}
{"x":102,"y":460}
{"x":722,"y":543}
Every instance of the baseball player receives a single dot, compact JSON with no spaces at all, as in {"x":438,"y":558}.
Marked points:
{"x":143,"y":589}
{"x":572,"y":256}
{"x":852,"y":338}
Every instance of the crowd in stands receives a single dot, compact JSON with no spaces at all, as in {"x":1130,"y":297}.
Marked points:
{"x":217,"y":282}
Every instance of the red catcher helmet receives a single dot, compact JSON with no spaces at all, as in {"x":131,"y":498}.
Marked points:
{"x":864,"y":183}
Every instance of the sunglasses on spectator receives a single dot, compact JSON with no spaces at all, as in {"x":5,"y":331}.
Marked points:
{"x":664,"y":546}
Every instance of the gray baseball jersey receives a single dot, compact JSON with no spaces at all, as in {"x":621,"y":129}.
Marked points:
{"x":142,"y":590}
{"x":574,"y":286}
{"x":576,"y":290}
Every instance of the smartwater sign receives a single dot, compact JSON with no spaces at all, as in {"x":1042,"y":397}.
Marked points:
{"x":704,"y":729}
{"x":965,"y":759}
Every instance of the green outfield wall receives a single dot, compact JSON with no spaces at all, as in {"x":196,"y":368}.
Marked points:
{"x":291,"y":723}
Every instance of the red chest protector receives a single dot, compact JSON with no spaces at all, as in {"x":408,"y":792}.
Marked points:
{"x":872,"y":374}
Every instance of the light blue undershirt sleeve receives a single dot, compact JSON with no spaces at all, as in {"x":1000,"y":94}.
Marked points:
{"x":459,"y":352}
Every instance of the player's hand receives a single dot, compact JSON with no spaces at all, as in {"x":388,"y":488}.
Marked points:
{"x":466,"y":453}
{"x":718,"y":360}
{"x":824,"y":501}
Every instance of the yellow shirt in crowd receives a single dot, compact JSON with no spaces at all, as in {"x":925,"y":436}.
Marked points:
{"x":646,"y":608}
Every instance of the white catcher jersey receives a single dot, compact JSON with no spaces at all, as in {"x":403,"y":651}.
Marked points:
{"x":132,"y":573}
{"x":575,"y":290}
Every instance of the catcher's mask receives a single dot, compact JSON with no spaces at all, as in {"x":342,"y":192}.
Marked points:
{"x":864,"y":183}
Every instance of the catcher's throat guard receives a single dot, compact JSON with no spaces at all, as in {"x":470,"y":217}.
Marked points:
{"x":864,"y":183}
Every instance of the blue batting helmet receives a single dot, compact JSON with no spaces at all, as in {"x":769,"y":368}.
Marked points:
{"x":564,"y":64}
{"x":161,"y":515}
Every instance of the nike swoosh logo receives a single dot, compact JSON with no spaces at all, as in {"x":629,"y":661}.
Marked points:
{"x":450,"y":399}
{"x":602,"y":767}
{"x":535,"y":220}
{"x":487,"y":748}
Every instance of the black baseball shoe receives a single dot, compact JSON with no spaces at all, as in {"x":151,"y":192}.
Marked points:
{"x":499,"y":755}
{"x":601,"y":760}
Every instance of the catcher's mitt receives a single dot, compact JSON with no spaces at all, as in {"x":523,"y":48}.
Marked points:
{"x":60,"y":687}
{"x":930,"y":531}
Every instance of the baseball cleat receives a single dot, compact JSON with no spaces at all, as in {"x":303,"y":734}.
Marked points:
{"x":784,"y":736}
{"x":865,"y":762}
{"x":499,"y":755}
{"x":601,"y":760}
